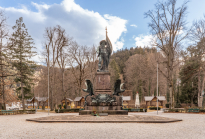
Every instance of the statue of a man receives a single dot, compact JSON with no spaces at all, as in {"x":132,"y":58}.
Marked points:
{"x":104,"y":52}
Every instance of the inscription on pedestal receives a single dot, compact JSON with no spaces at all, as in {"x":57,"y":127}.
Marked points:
{"x":102,"y":83}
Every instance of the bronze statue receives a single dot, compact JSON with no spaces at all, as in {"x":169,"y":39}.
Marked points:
{"x":89,"y":89}
{"x":118,"y":87}
{"x":104,"y":52}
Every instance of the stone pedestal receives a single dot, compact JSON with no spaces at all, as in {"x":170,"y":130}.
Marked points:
{"x":102,"y":83}
{"x":102,"y":86}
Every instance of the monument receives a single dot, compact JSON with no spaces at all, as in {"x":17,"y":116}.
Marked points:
{"x":102,"y":99}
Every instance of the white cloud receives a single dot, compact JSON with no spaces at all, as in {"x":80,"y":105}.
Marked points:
{"x":143,"y":40}
{"x":133,"y":25}
{"x":86,"y":27}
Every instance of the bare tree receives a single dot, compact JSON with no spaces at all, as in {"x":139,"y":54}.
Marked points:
{"x":92,"y":63}
{"x":63,"y":43}
{"x":77,"y":62}
{"x":167,"y":26}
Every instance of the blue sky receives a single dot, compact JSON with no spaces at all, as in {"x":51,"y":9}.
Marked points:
{"x":85,"y":20}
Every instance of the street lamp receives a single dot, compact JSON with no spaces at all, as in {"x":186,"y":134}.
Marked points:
{"x":203,"y":100}
{"x":157,"y":88}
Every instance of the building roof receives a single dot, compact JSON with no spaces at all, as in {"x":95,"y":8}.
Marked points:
{"x":78,"y":98}
{"x":41,"y":98}
{"x":126,"y":98}
{"x":69,"y":99}
{"x":149,"y":98}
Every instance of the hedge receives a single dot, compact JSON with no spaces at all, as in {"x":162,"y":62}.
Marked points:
{"x":154,"y":108}
{"x":129,"y":109}
{"x":67,"y":110}
{"x":201,"y":110}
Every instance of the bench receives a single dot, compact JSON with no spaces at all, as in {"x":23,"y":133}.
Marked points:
{"x":193,"y":110}
{"x":8,"y":112}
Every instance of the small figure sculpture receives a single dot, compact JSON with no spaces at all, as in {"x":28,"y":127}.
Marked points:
{"x":88,"y":90}
{"x":118,"y":87}
{"x":104,"y":52}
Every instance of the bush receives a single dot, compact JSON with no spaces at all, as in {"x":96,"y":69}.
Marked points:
{"x":167,"y":105}
{"x":154,"y":108}
{"x":67,"y":110}
{"x":64,"y":106}
{"x":171,"y":110}
{"x":130,"y":109}
{"x":59,"y":106}
{"x":178,"y":105}
{"x":202,"y":110}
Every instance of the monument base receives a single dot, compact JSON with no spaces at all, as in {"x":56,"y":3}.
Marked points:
{"x":110,"y":112}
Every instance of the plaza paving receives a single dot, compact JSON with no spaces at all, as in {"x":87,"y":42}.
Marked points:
{"x":16,"y":126}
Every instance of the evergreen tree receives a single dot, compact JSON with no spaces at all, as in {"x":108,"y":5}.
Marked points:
{"x":21,"y":53}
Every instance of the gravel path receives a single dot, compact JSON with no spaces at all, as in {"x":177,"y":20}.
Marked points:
{"x":16,"y":127}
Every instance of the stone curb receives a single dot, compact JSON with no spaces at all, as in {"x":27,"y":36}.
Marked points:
{"x":89,"y":121}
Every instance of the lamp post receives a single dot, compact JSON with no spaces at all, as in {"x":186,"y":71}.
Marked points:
{"x":203,"y":100}
{"x":157,"y":88}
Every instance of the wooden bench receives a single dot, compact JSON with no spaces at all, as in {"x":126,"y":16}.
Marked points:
{"x":193,"y":110}
{"x":8,"y":112}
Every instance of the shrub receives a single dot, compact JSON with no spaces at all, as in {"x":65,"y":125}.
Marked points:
{"x":202,"y":110}
{"x":59,"y":106}
{"x":154,"y":108}
{"x":178,"y":105}
{"x":64,"y":106}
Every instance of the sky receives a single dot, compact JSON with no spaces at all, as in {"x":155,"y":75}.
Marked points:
{"x":85,"y":20}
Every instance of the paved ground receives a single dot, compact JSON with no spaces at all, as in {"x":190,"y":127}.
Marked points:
{"x":15,"y":127}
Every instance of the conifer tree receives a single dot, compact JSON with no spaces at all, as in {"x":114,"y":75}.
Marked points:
{"x":21,"y":53}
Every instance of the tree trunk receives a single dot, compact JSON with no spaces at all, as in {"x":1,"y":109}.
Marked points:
{"x":22,"y":93}
{"x":53,"y":89}
{"x":192,"y":100}
{"x":171,"y":92}
{"x":199,"y":89}
{"x":64,"y":88}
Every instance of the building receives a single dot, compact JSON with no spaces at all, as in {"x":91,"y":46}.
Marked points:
{"x":37,"y":102}
{"x":126,"y":100}
{"x":151,"y":101}
{"x":70,"y":103}
{"x":79,"y":102}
